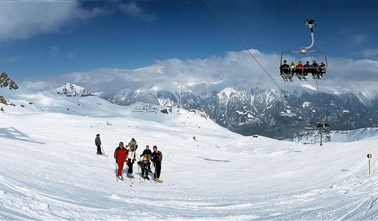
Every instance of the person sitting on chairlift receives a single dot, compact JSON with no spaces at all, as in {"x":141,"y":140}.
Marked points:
{"x":315,"y":70}
{"x":306,"y":69}
{"x":299,"y":70}
{"x":292,"y":68}
{"x":284,"y":70}
{"x":322,"y":70}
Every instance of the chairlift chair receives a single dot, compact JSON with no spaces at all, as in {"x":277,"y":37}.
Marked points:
{"x":316,"y":69}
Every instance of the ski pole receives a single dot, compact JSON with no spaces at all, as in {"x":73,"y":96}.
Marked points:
{"x":116,"y":167}
{"x":138,"y":162}
{"x":102,"y":148}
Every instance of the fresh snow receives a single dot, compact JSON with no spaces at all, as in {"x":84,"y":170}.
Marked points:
{"x":49,"y":169}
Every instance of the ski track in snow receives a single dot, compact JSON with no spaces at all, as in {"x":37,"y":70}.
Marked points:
{"x":49,"y":169}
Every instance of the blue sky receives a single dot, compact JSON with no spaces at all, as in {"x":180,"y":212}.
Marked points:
{"x":48,"y":39}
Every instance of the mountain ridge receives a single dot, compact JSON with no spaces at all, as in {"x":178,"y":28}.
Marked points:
{"x":269,"y":112}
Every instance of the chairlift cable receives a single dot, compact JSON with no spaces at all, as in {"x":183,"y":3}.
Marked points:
{"x":222,"y":22}
{"x":302,"y":10}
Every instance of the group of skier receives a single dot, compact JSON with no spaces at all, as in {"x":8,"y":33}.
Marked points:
{"x":128,"y":155}
{"x":301,"y":71}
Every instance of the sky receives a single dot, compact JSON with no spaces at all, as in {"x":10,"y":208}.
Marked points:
{"x":128,"y":42}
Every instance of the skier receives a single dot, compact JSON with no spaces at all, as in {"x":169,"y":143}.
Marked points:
{"x":98,"y":144}
{"x":156,"y":158}
{"x":299,"y":70}
{"x":292,"y":69}
{"x":315,"y":70}
{"x":322,"y":70}
{"x":284,"y":70}
{"x":147,"y":152}
{"x":307,"y":69}
{"x":144,"y":164}
{"x":130,"y":161}
{"x":120,"y":154}
{"x":132,"y":143}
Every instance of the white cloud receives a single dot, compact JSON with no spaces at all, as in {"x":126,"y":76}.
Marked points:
{"x":8,"y":60}
{"x":370,"y":53}
{"x":55,"y":52}
{"x":358,"y":39}
{"x":24,"y":19}
{"x":134,"y":11}
{"x":37,"y":85}
{"x":235,"y":68}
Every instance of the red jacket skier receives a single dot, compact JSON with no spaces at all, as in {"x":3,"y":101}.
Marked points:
{"x":120,"y":154}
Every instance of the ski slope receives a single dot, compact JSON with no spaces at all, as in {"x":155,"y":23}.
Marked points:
{"x":49,"y":169}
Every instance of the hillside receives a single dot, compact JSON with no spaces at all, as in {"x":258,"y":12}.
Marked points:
{"x":49,"y":169}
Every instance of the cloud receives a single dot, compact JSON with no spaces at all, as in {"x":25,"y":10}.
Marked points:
{"x":133,"y":10}
{"x":37,"y":85}
{"x":233,"y":69}
{"x":357,"y":39}
{"x":9,"y":60}
{"x":55,"y":52}
{"x":25,"y":19}
{"x":370,"y":53}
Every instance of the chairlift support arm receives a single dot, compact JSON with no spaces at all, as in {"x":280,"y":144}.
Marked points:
{"x":309,"y":23}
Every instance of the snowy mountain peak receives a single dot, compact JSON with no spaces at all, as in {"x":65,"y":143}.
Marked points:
{"x":6,"y":81}
{"x":72,"y":90}
{"x":227,"y":92}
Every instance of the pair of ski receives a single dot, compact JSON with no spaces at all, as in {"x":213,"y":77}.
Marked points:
{"x":130,"y":177}
{"x":141,"y":180}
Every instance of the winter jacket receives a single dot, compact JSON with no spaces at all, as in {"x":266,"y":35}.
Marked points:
{"x":300,"y":66}
{"x":120,"y":154}
{"x":133,"y":143}
{"x":292,"y":66}
{"x":144,"y":164}
{"x":284,"y":67}
{"x":131,"y":155}
{"x":148,"y":153}
{"x":98,"y":141}
{"x":156,"y":157}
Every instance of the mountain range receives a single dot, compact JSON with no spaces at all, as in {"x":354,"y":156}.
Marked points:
{"x":270,"y":112}
{"x":250,"y":109}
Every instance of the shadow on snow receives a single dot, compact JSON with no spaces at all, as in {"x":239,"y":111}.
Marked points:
{"x":14,"y":134}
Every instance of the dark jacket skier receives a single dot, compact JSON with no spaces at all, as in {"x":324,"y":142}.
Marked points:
{"x":144,"y":163}
{"x":120,"y":154}
{"x":148,"y":153}
{"x":284,"y":68}
{"x":98,"y":144}
{"x":156,"y":158}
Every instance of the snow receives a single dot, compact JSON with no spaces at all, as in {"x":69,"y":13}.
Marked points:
{"x":309,"y":86}
{"x":49,"y":169}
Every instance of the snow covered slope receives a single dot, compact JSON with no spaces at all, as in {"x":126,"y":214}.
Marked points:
{"x":49,"y":169}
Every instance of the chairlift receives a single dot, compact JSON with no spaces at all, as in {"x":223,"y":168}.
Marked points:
{"x":323,"y":128}
{"x":301,"y":70}
{"x":323,"y":124}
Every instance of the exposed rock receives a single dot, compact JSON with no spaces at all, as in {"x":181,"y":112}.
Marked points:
{"x":5,"y":81}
